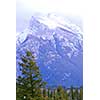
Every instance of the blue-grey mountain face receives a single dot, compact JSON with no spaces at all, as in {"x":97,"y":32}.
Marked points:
{"x":57,"y":46}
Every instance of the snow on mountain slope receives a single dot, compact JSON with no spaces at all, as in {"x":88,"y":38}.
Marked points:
{"x":57,"y":45}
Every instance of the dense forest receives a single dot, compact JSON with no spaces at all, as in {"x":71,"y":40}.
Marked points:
{"x":30,"y":85}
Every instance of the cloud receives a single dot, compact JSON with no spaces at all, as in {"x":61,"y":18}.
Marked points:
{"x":64,"y":6}
{"x":26,"y":8}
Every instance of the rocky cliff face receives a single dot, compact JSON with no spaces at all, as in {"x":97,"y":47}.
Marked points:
{"x":57,"y":45}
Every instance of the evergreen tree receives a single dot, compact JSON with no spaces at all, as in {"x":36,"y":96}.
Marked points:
{"x":48,"y":92}
{"x":54,"y":94}
{"x":76,"y":94}
{"x":44,"y":92}
{"x":51,"y":95}
{"x":72,"y":93}
{"x":60,"y":92}
{"x":28,"y":85}
{"x":66,"y":95}
{"x":81,"y":93}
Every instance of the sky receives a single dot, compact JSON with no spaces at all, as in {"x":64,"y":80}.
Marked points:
{"x":64,"y":6}
{"x":26,"y":8}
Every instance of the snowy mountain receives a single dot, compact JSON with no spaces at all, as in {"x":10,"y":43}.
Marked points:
{"x":58,"y":47}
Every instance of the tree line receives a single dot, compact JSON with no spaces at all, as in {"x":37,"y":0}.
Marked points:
{"x":30,"y":85}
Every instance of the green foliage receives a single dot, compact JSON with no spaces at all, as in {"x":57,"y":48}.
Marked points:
{"x":28,"y":85}
{"x":76,"y":94}
{"x":81,"y":93}
{"x":60,"y":92}
{"x":66,"y":95}
{"x":48,"y":92}
{"x":44,"y":92}
{"x":72,"y":93}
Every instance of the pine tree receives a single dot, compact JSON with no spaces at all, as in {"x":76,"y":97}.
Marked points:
{"x":77,"y":94}
{"x":54,"y":94}
{"x":44,"y":93}
{"x":81,"y":93}
{"x":48,"y":92}
{"x":28,"y":85}
{"x":51,"y":95}
{"x":66,"y":95}
{"x":72,"y":93}
{"x":60,"y":92}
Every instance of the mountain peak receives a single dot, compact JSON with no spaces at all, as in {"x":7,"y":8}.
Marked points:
{"x":57,"y":46}
{"x":54,"y":20}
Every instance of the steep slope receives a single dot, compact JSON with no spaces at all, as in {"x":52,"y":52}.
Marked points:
{"x":57,"y":45}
